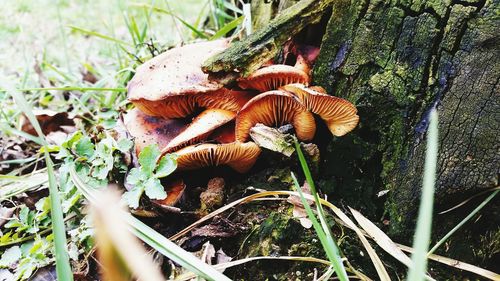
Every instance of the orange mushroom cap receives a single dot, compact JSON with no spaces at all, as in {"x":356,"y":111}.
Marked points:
{"x":148,"y":130}
{"x":239,"y":156}
{"x":200,"y":128}
{"x":275,"y":108}
{"x":339,"y":114}
{"x":172,"y":84}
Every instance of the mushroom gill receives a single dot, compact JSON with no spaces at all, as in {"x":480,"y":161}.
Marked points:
{"x":339,"y":114}
{"x":275,"y":108}
{"x":239,"y":156}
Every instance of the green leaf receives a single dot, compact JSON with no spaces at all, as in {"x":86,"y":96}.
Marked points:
{"x":133,"y":196}
{"x":148,"y":157}
{"x":154,"y":189}
{"x":72,"y":139}
{"x":10,"y":256}
{"x":135,"y":176}
{"x":124,"y":145}
{"x":85,"y":147}
{"x":167,"y":165}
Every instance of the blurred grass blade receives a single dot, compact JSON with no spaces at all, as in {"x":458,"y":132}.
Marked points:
{"x":15,"y":186}
{"x":80,"y":89}
{"x":466,"y":219}
{"x":97,"y":34}
{"x":326,"y":237}
{"x":63,"y":267}
{"x":228,"y":27}
{"x":424,"y":222}
{"x":161,"y":10}
{"x":247,"y":12}
{"x":120,"y":254}
{"x":154,"y":239}
{"x":100,"y":35}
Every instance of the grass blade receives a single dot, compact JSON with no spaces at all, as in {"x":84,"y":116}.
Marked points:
{"x":120,"y":253}
{"x":381,"y":238}
{"x":424,"y":222}
{"x":160,"y":10}
{"x":226,"y":265}
{"x":458,"y":264}
{"x":99,"y":35}
{"x":80,"y":89}
{"x":63,"y":267}
{"x":327,"y":240}
{"x":228,"y":27}
{"x":466,"y":219}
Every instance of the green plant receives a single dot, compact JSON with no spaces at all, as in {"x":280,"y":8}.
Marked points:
{"x":146,"y":178}
{"x":322,"y":230}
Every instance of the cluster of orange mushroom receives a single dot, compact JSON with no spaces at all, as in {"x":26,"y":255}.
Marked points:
{"x":207,"y":124}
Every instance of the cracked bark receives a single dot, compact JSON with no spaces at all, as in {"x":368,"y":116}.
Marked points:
{"x":396,"y":62}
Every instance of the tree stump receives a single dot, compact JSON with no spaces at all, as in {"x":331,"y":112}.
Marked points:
{"x":397,"y":60}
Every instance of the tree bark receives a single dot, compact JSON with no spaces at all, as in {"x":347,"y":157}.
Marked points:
{"x":397,"y":60}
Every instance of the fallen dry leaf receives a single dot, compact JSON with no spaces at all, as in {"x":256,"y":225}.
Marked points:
{"x":50,"y":121}
{"x":298,"y":209}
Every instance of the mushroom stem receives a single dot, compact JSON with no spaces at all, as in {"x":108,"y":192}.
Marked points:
{"x":275,"y":108}
{"x":303,"y":65}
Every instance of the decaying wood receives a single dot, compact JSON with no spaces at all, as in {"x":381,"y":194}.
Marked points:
{"x":248,"y":55}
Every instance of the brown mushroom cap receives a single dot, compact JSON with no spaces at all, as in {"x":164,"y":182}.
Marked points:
{"x":239,"y":156}
{"x":339,"y":114}
{"x":148,"y":130}
{"x":200,"y":128}
{"x":275,"y":108}
{"x":172,"y":85}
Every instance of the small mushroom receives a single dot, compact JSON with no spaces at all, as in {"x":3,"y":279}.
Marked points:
{"x":272,"y":77}
{"x":275,"y":108}
{"x":172,"y":84}
{"x":147,"y":130}
{"x":339,"y":114}
{"x":238,"y":156}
